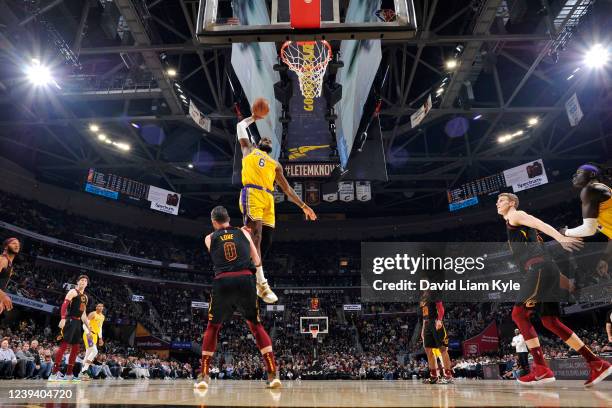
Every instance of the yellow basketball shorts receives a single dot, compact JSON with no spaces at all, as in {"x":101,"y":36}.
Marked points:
{"x":94,"y":337}
{"x":257,"y":204}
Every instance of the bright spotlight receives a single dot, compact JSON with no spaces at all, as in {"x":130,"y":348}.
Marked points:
{"x":38,"y":74}
{"x":190,"y":166}
{"x":171,"y":72}
{"x":533,"y":121}
{"x":135,"y":125}
{"x":479,"y":116}
{"x":504,"y":138}
{"x":102,"y":137}
{"x":451,"y":64}
{"x":93,"y":127}
{"x":123,"y":146}
{"x":597,"y":56}
{"x":439,"y":91}
{"x":108,"y":141}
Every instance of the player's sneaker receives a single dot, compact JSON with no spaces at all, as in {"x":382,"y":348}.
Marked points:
{"x":430,"y":380}
{"x":84,"y":376}
{"x":56,"y":377}
{"x":202,"y":383}
{"x":273,"y":384}
{"x":72,"y":378}
{"x":539,"y":375}
{"x":600,"y":370}
{"x":449,"y":380}
{"x":264,"y":292}
{"x":442,"y":380}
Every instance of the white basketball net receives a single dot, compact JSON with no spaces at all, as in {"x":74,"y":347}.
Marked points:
{"x":309,"y":61}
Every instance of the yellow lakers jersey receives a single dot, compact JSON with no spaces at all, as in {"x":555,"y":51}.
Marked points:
{"x":259,"y":169}
{"x":96,"y":323}
{"x":604,"y":218}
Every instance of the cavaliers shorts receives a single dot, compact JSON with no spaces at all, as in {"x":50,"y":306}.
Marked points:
{"x":433,"y":338}
{"x":540,"y":289}
{"x":72,"y":332}
{"x":233,"y":293}
{"x":257,"y":204}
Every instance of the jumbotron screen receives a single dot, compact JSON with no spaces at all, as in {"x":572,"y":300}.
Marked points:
{"x":105,"y":184}
{"x":485,"y":185}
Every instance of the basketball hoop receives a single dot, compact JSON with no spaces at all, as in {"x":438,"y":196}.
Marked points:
{"x":314,"y":330}
{"x":308,"y":59}
{"x":386,"y":15}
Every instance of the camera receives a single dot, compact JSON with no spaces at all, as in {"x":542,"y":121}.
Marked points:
{"x":534,"y":170}
{"x":172,"y":199}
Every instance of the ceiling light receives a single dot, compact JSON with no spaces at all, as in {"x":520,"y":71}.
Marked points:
{"x":102,"y":137}
{"x":533,"y":121}
{"x":451,"y":64}
{"x":38,"y":74}
{"x":135,"y":125}
{"x":597,"y":56}
{"x":93,"y":127}
{"x":190,"y":165}
{"x":479,"y":116}
{"x":171,"y":72}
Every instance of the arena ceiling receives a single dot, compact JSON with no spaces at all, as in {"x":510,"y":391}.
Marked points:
{"x":519,"y":65}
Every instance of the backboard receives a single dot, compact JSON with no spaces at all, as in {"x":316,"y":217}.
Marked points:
{"x":314,"y":325}
{"x":236,"y":21}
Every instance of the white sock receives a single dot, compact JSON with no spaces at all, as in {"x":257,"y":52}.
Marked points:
{"x":259,"y":275}
{"x":90,"y":354}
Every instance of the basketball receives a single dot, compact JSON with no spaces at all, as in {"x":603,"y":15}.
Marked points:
{"x":260,"y":107}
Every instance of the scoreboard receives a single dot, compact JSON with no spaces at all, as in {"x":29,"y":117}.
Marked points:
{"x":100,"y":182}
{"x":466,"y":194}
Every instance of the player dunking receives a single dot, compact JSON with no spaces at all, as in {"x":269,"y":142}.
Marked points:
{"x":543,"y":276}
{"x":596,"y":199}
{"x":10,"y":249}
{"x":259,"y":173}
{"x":92,"y":341}
{"x":233,"y":253}
{"x":435,"y":339}
{"x":74,"y":320}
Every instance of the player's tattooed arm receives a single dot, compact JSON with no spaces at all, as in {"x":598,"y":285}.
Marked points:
{"x":254,"y":254}
{"x":522,"y":218}
{"x":282,"y":182}
{"x":590,"y":196}
{"x":243,"y":136}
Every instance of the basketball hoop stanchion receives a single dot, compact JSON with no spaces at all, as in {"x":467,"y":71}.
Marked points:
{"x":308,"y":59}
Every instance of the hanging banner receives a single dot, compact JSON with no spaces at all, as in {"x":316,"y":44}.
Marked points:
{"x":279,"y":196}
{"x":417,"y":117}
{"x":346,"y":190}
{"x":364,"y":190}
{"x":299,"y":190}
{"x":330,"y":197}
{"x":275,"y":308}
{"x":198,"y":117}
{"x":137,"y":298}
{"x":526,"y":176}
{"x":312,"y":190}
{"x":352,"y":308}
{"x":574,"y":113}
